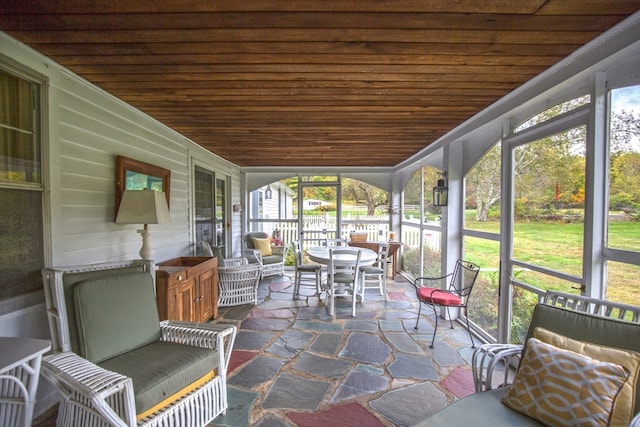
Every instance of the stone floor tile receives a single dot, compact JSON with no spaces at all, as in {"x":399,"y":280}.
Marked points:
{"x":271,"y":420}
{"x":252,"y":340}
{"x":265,"y":324}
{"x":361,"y":325}
{"x":284,"y":313}
{"x":290,"y":343}
{"x":365,"y":347}
{"x":459,"y":382}
{"x":403,"y":342}
{"x":291,"y":392}
{"x":239,"y":357}
{"x":408,"y":405}
{"x":391,"y":326}
{"x":239,"y":410}
{"x":445,"y":355}
{"x":317,"y":312}
{"x":322,"y":366}
{"x":257,"y":371}
{"x":326,"y":343}
{"x":352,"y":414}
{"x":414,"y":367}
{"x":358,"y":383}
{"x":317,"y":326}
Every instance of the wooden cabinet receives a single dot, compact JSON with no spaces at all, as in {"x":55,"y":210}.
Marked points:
{"x":187,"y":289}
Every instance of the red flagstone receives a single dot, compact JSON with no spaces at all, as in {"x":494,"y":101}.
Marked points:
{"x":240,"y":357}
{"x":459,"y":382}
{"x":397,"y":296}
{"x":352,"y":414}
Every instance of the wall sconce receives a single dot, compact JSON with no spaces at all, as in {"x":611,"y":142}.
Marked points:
{"x":143,"y":207}
{"x":237,"y":208}
{"x":440,"y":191}
{"x":268,"y":194}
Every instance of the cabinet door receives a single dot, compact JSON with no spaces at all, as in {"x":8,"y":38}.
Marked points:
{"x":185,"y":301}
{"x":204,"y":297}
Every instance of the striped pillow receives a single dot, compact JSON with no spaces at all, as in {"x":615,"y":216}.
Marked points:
{"x":562,"y":388}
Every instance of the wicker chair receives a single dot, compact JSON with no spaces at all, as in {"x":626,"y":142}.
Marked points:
{"x":272,"y":264}
{"x":105,"y":378}
{"x":238,"y":285}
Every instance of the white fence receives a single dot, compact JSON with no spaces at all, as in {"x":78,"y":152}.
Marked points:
{"x":318,"y":227}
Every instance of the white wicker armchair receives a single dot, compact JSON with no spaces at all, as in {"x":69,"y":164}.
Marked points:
{"x":238,"y":284}
{"x":96,"y":396}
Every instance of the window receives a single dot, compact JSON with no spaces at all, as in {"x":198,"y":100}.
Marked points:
{"x":21,"y":223}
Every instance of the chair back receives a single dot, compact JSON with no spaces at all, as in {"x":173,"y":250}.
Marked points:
{"x":247,"y":239}
{"x":238,"y":285}
{"x":297,"y":253}
{"x":343,"y":271}
{"x":59,"y":284}
{"x":464,"y":277}
{"x":383,"y":254}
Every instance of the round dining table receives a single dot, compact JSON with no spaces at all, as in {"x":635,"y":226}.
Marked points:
{"x":320,"y":255}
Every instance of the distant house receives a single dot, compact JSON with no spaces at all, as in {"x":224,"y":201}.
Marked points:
{"x":311,"y":204}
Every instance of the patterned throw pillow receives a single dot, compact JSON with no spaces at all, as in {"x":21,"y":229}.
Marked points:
{"x":630,"y":360}
{"x":263,"y":245}
{"x":562,"y":388}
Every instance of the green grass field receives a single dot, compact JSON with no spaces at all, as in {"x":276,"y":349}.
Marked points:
{"x":559,"y":246}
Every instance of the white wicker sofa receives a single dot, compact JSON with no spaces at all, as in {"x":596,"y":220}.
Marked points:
{"x":593,"y":323}
{"x":115,"y":364}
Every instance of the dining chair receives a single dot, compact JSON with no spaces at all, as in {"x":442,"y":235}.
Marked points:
{"x":456,"y":294}
{"x":375,"y":276}
{"x":305,"y":274}
{"x":342,"y":276}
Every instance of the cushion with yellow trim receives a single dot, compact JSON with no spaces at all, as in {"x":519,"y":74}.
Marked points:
{"x":263,"y":245}
{"x":562,"y":388}
{"x":162,"y":369}
{"x":630,"y":360}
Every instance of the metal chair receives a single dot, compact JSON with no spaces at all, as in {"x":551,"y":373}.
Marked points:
{"x":456,"y":295}
{"x":375,"y":276}
{"x":342,"y":276}
{"x":305,"y":274}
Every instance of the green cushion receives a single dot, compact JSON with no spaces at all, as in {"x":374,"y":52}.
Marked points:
{"x":478,"y":410}
{"x":115,"y":314}
{"x":271,"y":259}
{"x":249,"y":236}
{"x":69,"y":281}
{"x":160,"y":369}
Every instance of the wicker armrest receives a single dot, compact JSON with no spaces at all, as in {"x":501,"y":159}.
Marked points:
{"x":205,"y":335}
{"x":253,"y":256}
{"x":105,"y":390}
{"x":494,"y":360}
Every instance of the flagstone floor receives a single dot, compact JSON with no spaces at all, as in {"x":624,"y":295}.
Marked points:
{"x":294,"y":365}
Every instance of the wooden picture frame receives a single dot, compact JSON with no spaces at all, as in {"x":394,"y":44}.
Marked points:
{"x":135,"y":175}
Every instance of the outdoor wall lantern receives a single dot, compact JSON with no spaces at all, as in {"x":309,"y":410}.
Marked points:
{"x":268,"y":193}
{"x":440,"y":191}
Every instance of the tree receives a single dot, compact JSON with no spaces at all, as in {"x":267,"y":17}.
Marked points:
{"x":483,"y":181}
{"x":362,"y":193}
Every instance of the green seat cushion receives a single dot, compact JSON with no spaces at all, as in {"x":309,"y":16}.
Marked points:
{"x":161,"y":369}
{"x":271,"y":259}
{"x":478,"y":410}
{"x":115,"y":314}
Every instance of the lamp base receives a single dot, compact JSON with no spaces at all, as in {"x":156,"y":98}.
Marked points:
{"x":146,"y":251}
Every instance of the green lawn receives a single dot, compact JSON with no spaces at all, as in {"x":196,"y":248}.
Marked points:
{"x":559,"y":246}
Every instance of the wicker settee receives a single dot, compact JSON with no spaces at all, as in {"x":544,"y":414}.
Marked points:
{"x":115,"y":364}
{"x":584,"y":326}
{"x":271,"y":261}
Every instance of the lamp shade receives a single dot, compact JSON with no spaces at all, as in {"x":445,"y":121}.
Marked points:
{"x":143,"y":207}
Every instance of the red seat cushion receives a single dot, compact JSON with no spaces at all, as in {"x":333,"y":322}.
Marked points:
{"x":440,"y":297}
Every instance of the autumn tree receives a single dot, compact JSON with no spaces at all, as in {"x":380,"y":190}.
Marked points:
{"x":364,"y":194}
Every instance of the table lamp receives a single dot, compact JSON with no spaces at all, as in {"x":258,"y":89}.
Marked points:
{"x":143,"y":207}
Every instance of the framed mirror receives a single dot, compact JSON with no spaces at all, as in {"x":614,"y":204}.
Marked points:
{"x":134,"y":175}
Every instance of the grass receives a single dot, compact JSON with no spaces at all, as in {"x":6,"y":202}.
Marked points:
{"x":559,"y":246}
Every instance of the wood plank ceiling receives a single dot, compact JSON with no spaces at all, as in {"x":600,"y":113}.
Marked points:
{"x":310,"y":82}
